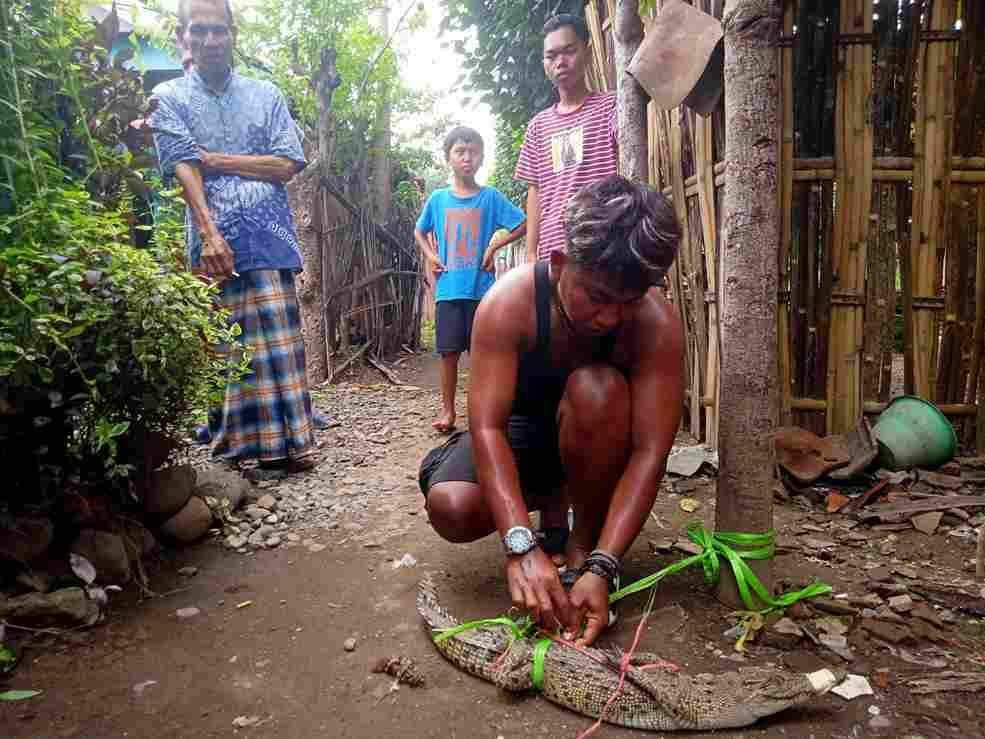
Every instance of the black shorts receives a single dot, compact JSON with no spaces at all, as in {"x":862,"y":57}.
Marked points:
{"x":535,"y":448}
{"x":453,"y":325}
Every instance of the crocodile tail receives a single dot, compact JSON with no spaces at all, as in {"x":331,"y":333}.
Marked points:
{"x":431,"y":611}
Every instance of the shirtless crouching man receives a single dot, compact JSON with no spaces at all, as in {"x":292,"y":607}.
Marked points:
{"x":576,"y":390}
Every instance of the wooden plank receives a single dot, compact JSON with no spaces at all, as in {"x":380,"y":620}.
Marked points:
{"x":704,"y":169}
{"x":902,"y":511}
{"x":978,"y":387}
{"x":785,"y":352}
{"x":853,"y":178}
{"x":931,"y":189}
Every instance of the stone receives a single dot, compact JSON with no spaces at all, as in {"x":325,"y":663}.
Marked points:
{"x":294,"y":538}
{"x":69,"y":605}
{"x":267,"y":502}
{"x":893,"y":633}
{"x":835,"y":607}
{"x":944,"y":482}
{"x":107,"y":554}
{"x":256,"y":540}
{"x":927,"y":523}
{"x":885,"y":613}
{"x":271,"y":519}
{"x":349,"y":644}
{"x":837,"y":644}
{"x":169,"y":489}
{"x":880,"y":722}
{"x":928,"y":632}
{"x":184,"y":614}
{"x":901,"y":603}
{"x":26,"y":538}
{"x":315,"y":548}
{"x":189,"y":524}
{"x":216,"y":481}
{"x":139,"y":540}
{"x":265,"y":530}
{"x":869,"y":600}
{"x":272,"y":542}
{"x":906,"y":571}
{"x":255,"y":513}
{"x":188,"y":571}
{"x":925,"y":612}
{"x":236,"y":541}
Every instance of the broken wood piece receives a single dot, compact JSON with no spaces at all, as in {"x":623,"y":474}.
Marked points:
{"x":384,"y":370}
{"x":836,"y":501}
{"x":337,"y":372}
{"x":966,"y":682}
{"x":867,"y":496}
{"x":945,"y":482}
{"x":895,"y":513}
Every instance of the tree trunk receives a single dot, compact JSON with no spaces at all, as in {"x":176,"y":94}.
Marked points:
{"x":381,"y":142}
{"x":748,"y":278}
{"x":305,"y":197}
{"x":633,"y":161}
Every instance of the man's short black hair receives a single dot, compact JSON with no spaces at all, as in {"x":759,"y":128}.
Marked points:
{"x":464,"y":134}
{"x":569,"y":20}
{"x":624,"y":230}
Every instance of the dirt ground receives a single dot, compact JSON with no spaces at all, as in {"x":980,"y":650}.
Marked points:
{"x":267,"y":644}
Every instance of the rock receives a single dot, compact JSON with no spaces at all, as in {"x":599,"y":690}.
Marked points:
{"x":928,"y":632}
{"x":944,"y":482}
{"x":245,"y":722}
{"x":349,"y":644}
{"x":184,"y":614}
{"x":837,"y":644}
{"x":235,"y":541}
{"x":925,"y":612}
{"x":256,"y":539}
{"x":315,"y":548}
{"x":881,"y":574}
{"x":869,"y":600}
{"x":169,"y":490}
{"x":294,"y":538}
{"x":267,"y":502}
{"x":271,"y":519}
{"x":894,"y":634}
{"x":265,"y":531}
{"x":880,"y":722}
{"x":107,"y":554}
{"x":901,"y":603}
{"x":255,"y":513}
{"x":215,"y":481}
{"x":272,"y":542}
{"x":69,"y":605}
{"x":906,"y":571}
{"x":188,"y":571}
{"x":927,"y":522}
{"x":26,"y":538}
{"x":190,"y":523}
{"x":138,"y":539}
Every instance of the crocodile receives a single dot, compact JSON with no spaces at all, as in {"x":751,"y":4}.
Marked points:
{"x":585,"y":679}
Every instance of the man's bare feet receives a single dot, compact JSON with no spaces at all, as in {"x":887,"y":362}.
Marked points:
{"x":445,"y":423}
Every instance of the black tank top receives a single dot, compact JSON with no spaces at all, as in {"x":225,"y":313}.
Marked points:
{"x":540,"y":385}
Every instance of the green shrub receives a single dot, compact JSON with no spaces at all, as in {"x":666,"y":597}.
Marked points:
{"x":103,"y":346}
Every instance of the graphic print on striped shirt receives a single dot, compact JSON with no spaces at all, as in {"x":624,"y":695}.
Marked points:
{"x":561,"y":153}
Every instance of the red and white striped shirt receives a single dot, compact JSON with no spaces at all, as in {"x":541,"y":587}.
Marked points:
{"x":561,"y":153}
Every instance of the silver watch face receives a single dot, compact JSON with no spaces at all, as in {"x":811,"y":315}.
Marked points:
{"x":519,"y":540}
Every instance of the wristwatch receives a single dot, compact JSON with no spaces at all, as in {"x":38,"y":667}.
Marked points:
{"x":519,"y":540}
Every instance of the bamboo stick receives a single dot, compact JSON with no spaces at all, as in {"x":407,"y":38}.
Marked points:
{"x":931,"y":187}
{"x":853,"y":177}
{"x":872,"y":407}
{"x":979,"y":386}
{"x":704,"y":169}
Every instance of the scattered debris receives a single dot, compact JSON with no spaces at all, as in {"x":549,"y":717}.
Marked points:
{"x":852,"y":687}
{"x":404,"y":669}
{"x":892,"y":513}
{"x":408,"y":560}
{"x":244,"y":604}
{"x":689,"y":505}
{"x":349,"y":644}
{"x":139,"y":688}
{"x":946,"y":682}
{"x":805,"y":456}
{"x":245,"y":722}
{"x":184,"y":614}
{"x":188,"y":571}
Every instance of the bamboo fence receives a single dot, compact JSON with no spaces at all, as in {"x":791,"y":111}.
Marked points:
{"x":882,"y":202}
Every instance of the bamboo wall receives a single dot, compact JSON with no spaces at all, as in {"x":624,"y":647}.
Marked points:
{"x":882,"y":199}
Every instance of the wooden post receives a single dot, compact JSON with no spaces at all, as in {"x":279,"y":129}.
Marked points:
{"x":931,"y":191}
{"x":748,"y":404}
{"x":628,"y":33}
{"x":326,"y":81}
{"x":704,"y":167}
{"x":853,"y":185}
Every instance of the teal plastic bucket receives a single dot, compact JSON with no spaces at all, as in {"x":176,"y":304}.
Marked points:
{"x":914,"y":433}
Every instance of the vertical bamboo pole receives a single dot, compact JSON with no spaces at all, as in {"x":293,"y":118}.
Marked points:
{"x":594,"y":21}
{"x":704,"y":167}
{"x":931,"y":191}
{"x":853,"y":187}
{"x":784,"y":350}
{"x":978,"y":386}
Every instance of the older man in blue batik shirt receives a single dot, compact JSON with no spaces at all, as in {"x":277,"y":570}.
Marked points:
{"x":231,"y":143}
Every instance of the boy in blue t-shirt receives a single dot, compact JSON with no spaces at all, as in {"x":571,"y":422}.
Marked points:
{"x":461,"y":220}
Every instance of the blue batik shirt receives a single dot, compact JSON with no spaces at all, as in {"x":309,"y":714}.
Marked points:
{"x":463,"y":228}
{"x":246,"y":117}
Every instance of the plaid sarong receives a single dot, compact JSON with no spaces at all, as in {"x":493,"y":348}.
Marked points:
{"x":267,"y":415}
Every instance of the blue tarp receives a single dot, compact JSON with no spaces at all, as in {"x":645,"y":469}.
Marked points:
{"x":148,"y":58}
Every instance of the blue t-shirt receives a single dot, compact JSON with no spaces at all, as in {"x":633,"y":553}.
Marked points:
{"x":463,"y":228}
